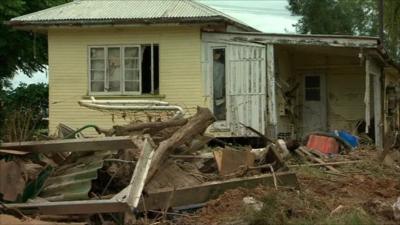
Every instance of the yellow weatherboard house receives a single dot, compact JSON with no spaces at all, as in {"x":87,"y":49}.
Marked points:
{"x":105,"y":49}
{"x":187,"y":54}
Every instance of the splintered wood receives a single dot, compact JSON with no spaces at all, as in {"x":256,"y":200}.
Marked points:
{"x":12,"y":182}
{"x":157,"y":165}
{"x":229,"y":161}
{"x":196,"y":125}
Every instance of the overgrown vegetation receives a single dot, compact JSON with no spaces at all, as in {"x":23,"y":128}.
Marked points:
{"x":21,"y":50}
{"x":350,"y":17}
{"x":23,"y":112}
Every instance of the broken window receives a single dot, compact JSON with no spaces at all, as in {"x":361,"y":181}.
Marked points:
{"x":124,"y":69}
{"x":219,"y":83}
{"x":312,"y":88}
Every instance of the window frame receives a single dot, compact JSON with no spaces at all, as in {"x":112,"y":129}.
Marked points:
{"x":318,"y":88}
{"x":122,"y":61}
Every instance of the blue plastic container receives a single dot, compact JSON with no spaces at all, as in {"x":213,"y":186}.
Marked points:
{"x":349,"y":138}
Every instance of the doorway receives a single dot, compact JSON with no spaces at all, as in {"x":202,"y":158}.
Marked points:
{"x":314,"y":103}
{"x":219,"y":99}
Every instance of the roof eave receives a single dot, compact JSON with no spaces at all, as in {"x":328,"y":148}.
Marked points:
{"x":88,"y":22}
{"x":387,"y":59}
{"x":295,"y":39}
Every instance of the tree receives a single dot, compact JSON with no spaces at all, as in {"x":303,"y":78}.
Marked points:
{"x":351,"y":17}
{"x":22,"y":111}
{"x":22,"y":50}
{"x":392,"y":26}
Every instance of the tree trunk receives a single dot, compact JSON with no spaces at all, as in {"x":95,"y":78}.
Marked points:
{"x":195,"y":126}
{"x":149,"y":127}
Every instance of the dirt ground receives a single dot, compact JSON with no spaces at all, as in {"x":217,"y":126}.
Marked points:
{"x":362,"y":194}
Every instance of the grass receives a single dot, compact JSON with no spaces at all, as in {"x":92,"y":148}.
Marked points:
{"x":302,"y":208}
{"x":352,"y":217}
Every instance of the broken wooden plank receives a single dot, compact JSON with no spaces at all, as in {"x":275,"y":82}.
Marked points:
{"x":12,"y":152}
{"x":195,"y":126}
{"x":172,"y":175}
{"x":229,"y":161}
{"x":12,"y":179}
{"x":327,"y":163}
{"x":71,"y":207}
{"x":157,"y":199}
{"x":11,"y":220}
{"x":266,"y":139}
{"x":318,"y":160}
{"x":318,"y":153}
{"x":140,"y":174}
{"x":210,"y":190}
{"x":71,"y":145}
{"x":190,"y":156}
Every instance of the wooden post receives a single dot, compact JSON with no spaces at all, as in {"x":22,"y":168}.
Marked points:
{"x":367,"y":97}
{"x":271,"y":96}
{"x":152,"y":68}
{"x":378,"y":110}
{"x":373,"y":70}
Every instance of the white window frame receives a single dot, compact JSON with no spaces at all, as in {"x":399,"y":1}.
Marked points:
{"x":122,"y":80}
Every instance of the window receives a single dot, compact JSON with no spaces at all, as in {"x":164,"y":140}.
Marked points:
{"x":312,"y":88}
{"x":124,"y":69}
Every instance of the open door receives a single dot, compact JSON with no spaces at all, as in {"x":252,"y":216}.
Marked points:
{"x":219,"y":97}
{"x":314,"y":103}
{"x":235,"y":84}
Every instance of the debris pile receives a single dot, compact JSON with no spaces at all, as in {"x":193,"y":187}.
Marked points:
{"x":134,"y":168}
{"x":168,"y":168}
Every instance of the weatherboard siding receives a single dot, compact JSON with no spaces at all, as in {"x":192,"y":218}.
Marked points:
{"x":345,"y":86}
{"x":180,"y":69}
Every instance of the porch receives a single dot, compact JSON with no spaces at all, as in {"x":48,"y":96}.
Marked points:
{"x":325,"y":88}
{"x":324,"y":83}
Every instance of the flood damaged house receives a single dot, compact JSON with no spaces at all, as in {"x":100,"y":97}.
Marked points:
{"x":187,"y":54}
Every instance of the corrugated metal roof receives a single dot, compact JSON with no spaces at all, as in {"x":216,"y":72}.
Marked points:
{"x":73,"y":181}
{"x":128,"y":11}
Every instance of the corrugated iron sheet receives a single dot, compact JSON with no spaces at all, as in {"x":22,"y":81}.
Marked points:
{"x":91,"y":11}
{"x":73,"y":181}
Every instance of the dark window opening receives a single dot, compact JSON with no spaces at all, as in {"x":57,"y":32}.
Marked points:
{"x":219,"y":92}
{"x":312,"y":88}
{"x":150,"y":62}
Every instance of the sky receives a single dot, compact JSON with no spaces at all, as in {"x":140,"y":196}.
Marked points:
{"x":270,"y":16}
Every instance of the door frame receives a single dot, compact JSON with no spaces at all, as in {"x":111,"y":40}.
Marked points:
{"x":220,"y":124}
{"x":323,"y":98}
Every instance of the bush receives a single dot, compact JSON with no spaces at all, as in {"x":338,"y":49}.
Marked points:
{"x":23,"y":112}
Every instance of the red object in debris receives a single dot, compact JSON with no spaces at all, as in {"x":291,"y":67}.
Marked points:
{"x":327,"y":145}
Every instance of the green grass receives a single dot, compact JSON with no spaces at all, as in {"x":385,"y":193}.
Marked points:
{"x":293,"y":208}
{"x":352,"y":217}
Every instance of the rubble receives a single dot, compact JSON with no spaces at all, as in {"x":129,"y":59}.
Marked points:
{"x":228,"y":161}
{"x":154,"y":165}
{"x":254,"y":204}
{"x":12,"y":180}
{"x":396,"y":209}
{"x":11,"y":220}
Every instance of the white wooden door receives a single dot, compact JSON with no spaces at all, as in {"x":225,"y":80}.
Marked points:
{"x":246,"y":88}
{"x":314,"y":103}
